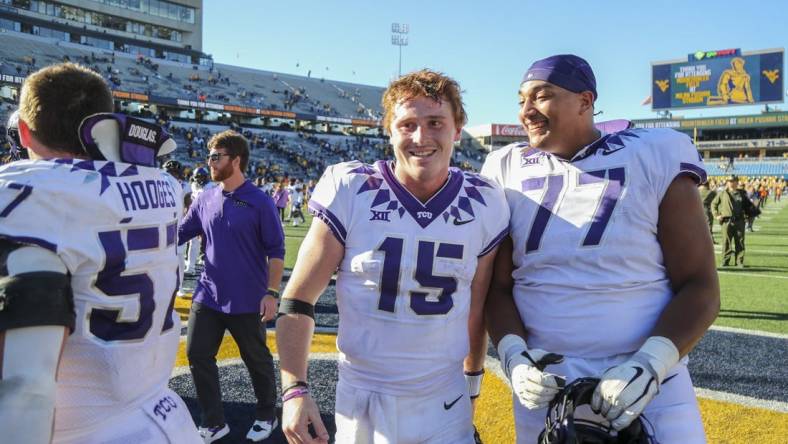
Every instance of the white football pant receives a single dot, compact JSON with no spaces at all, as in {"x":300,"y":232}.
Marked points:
{"x":442,"y":416}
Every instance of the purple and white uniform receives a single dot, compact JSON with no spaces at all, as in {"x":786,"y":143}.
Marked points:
{"x":403,"y":287}
{"x":114,"y":226}
{"x":589,"y":274}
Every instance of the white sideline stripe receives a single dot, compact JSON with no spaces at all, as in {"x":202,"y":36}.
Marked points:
{"x":775,"y":406}
{"x":752,"y":274}
{"x":184,"y":369}
{"x":765,"y":334}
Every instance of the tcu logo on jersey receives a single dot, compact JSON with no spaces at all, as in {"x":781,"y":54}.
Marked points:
{"x":380,"y":215}
{"x":164,"y":406}
{"x":424,"y":215}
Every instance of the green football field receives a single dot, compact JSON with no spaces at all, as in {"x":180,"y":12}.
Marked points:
{"x":756,"y":297}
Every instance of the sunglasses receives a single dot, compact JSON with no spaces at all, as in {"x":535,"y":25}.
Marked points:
{"x":215,"y":157}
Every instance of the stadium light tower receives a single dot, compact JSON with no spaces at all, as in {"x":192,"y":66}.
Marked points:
{"x":399,"y":37}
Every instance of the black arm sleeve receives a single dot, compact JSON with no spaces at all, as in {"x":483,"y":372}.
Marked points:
{"x":35,"y":298}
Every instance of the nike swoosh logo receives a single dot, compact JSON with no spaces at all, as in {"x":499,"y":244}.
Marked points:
{"x":669,"y":378}
{"x":462,"y":222}
{"x":638,"y":372}
{"x":609,"y":151}
{"x":451,"y":404}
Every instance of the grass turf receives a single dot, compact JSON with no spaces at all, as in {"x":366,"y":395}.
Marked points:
{"x":754,"y":297}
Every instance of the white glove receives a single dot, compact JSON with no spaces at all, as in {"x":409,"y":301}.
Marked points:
{"x":524,"y":368}
{"x":625,"y":390}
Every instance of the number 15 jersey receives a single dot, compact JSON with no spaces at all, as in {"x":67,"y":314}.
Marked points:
{"x":589,"y":274}
{"x":403,"y":287}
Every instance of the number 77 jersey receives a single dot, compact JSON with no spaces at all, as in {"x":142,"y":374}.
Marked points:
{"x":403,"y":287}
{"x":589,"y":274}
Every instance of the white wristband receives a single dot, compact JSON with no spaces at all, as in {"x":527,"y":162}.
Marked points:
{"x":474,"y":381}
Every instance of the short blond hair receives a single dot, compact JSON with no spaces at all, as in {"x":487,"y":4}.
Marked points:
{"x":54,"y":101}
{"x":424,"y":83}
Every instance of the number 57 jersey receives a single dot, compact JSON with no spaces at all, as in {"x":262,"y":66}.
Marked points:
{"x":113,"y":225}
{"x":403,"y":286}
{"x":589,"y":274}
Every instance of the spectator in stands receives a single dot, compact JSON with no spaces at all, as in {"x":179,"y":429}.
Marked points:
{"x":239,"y":287}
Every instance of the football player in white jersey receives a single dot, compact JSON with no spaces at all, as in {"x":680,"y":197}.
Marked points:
{"x":88,"y":271}
{"x":609,"y":263}
{"x":412,"y":242}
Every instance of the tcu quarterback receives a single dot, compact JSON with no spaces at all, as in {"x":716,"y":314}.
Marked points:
{"x":88,"y":272}
{"x":412,"y":243}
{"x":609,"y":268}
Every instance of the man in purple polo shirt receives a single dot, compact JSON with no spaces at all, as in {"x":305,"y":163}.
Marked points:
{"x":238,"y":290}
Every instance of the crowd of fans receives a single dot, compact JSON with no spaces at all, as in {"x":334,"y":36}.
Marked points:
{"x":215,"y":84}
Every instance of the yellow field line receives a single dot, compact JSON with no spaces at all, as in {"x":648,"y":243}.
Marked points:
{"x":320,"y":344}
{"x":727,"y":423}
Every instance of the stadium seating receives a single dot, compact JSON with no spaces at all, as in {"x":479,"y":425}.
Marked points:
{"x":749,"y":167}
{"x":22,"y":53}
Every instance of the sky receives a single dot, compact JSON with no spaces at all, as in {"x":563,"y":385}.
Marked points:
{"x":487,"y":46}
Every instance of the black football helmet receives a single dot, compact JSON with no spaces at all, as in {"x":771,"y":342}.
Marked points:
{"x":173,"y":167}
{"x":561,"y":427}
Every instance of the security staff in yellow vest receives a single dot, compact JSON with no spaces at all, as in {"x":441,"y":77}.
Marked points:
{"x":730,"y":208}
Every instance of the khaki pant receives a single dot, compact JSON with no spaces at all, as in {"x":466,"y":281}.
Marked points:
{"x":733,"y":242}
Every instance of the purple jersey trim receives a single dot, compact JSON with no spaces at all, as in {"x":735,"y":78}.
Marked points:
{"x":494,"y":243}
{"x":31,"y":241}
{"x":437,"y":203}
{"x":693,"y":171}
{"x":330,"y":219}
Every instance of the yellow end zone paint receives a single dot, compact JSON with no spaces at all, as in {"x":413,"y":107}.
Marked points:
{"x":321,"y":343}
{"x":727,"y":423}
{"x":494,"y":418}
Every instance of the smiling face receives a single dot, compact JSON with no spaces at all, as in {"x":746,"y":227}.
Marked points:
{"x":552,"y":116}
{"x":423,"y":133}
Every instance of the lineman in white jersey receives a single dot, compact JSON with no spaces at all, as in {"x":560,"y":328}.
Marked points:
{"x":414,"y":242}
{"x":608,"y":264}
{"x":88,"y":269}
